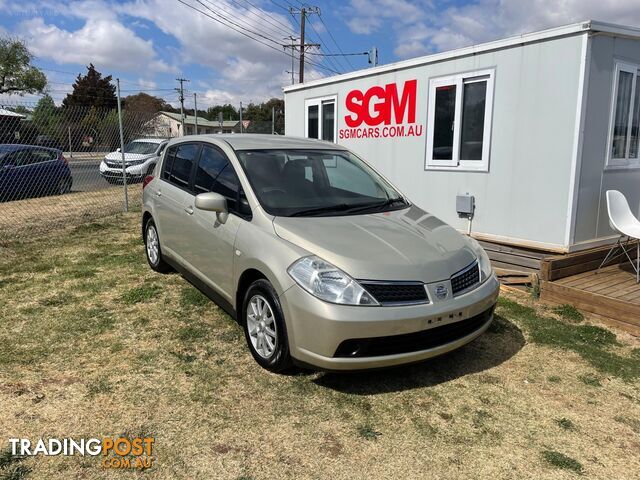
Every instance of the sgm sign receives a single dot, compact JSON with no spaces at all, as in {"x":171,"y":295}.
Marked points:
{"x":382,"y":112}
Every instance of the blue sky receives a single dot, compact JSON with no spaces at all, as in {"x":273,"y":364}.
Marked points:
{"x":148,"y":43}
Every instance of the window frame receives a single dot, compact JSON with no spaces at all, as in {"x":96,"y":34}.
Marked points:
{"x":459,"y":80}
{"x":318,"y":101}
{"x":189,"y":187}
{"x":626,"y":162}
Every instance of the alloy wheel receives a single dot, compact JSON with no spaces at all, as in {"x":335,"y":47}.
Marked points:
{"x":261,"y":326}
{"x":153,"y":250}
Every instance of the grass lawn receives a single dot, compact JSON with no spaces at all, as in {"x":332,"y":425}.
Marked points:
{"x":95,"y":344}
{"x":30,"y":217}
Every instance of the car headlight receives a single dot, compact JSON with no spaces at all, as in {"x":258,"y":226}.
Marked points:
{"x":131,"y":163}
{"x":328,"y":283}
{"x":486,"y":270}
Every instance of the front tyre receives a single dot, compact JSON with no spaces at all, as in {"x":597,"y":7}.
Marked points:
{"x":152,"y":248}
{"x":264,"y":327}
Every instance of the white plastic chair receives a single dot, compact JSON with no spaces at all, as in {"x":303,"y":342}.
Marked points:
{"x":627,"y":225}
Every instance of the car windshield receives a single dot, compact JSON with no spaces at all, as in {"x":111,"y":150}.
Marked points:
{"x":317,"y":183}
{"x":140,"y":147}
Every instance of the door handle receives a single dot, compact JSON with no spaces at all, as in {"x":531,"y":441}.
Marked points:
{"x":189,"y":210}
{"x":158,"y":193}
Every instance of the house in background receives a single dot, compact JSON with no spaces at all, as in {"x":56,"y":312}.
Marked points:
{"x":168,"y":125}
{"x":10,"y":126}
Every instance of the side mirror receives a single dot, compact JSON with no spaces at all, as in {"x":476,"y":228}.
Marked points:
{"x":213,"y":202}
{"x":118,"y":149}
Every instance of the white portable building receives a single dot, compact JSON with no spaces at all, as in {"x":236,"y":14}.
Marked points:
{"x":536,"y":128}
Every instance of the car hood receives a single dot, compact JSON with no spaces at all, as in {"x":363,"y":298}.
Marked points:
{"x":128,"y":157}
{"x":407,"y":245}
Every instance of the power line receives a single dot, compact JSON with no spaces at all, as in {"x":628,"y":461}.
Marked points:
{"x":247,"y":25}
{"x":332,"y":61}
{"x":335,"y":42}
{"x":337,"y":54}
{"x":287,"y":27}
{"x":234,"y":23}
{"x":240,"y":31}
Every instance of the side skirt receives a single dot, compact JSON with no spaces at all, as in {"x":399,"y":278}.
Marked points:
{"x":212,"y":294}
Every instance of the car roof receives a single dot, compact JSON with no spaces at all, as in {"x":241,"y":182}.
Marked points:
{"x":252,"y":141}
{"x":150,"y":140}
{"x":12,"y":147}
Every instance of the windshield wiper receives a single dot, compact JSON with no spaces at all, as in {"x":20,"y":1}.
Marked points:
{"x":377,"y":205}
{"x":328,"y":208}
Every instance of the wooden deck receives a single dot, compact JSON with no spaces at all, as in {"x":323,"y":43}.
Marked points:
{"x":611,"y":295}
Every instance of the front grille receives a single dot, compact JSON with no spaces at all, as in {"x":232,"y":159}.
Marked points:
{"x":113,"y":164}
{"x":396,"y":293}
{"x":465,"y":279}
{"x":412,"y":342}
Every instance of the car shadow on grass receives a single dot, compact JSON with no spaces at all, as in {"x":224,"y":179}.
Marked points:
{"x":498,"y":344}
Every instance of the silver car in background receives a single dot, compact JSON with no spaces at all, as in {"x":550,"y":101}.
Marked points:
{"x":321,"y":260}
{"x":140,"y":158}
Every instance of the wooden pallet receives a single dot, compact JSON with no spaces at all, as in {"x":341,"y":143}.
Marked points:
{"x":610,"y":295}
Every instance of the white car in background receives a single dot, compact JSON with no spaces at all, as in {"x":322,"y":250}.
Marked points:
{"x":140,"y":158}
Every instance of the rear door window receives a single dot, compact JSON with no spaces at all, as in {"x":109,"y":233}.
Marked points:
{"x":179,"y":164}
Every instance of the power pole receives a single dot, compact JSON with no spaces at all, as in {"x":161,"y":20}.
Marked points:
{"x":195,"y":109}
{"x":373,"y":56}
{"x":241,"y":125}
{"x":303,"y":46}
{"x":292,"y":47}
{"x":181,"y":92}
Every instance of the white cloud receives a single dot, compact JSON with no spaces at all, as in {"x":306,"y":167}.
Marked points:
{"x":367,"y":16}
{"x":245,"y":69}
{"x":423,"y":27}
{"x":102,"y":40}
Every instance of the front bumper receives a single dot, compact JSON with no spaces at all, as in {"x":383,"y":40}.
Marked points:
{"x":134,"y":172}
{"x":318,"y":331}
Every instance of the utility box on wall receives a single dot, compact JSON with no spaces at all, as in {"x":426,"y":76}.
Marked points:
{"x":465,"y":205}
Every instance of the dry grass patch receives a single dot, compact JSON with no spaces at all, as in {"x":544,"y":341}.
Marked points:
{"x":23,"y":218}
{"x":93,"y":343}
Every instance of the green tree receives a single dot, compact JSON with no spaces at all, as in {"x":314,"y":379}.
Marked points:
{"x":109,"y":130}
{"x":260,"y":116}
{"x":47,"y":118}
{"x":17,"y":75}
{"x":92,"y":90}
{"x":229,"y":112}
{"x":143,"y":102}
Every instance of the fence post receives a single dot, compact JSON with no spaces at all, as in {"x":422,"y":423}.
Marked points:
{"x":124,"y":167}
{"x":70,"y":148}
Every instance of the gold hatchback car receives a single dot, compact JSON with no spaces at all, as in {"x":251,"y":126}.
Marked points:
{"x":323,"y":262}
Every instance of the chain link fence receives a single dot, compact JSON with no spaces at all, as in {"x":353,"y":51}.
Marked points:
{"x":63,"y":166}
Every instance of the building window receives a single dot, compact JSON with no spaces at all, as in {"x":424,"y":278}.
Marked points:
{"x":459,"y":121}
{"x":625,"y":117}
{"x":320,"y":118}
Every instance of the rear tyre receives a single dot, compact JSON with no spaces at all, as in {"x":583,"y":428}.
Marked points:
{"x":152,"y":248}
{"x":264,"y":327}
{"x":64,"y":185}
